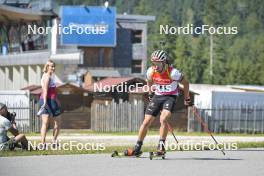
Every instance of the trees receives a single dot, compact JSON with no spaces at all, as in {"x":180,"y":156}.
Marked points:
{"x":238,"y":59}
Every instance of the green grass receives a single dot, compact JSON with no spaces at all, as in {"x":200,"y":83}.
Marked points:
{"x":250,"y":145}
{"x":150,"y":132}
{"x":108,"y":150}
{"x":119,"y":148}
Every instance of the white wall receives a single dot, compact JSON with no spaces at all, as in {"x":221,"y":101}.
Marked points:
{"x":234,"y":99}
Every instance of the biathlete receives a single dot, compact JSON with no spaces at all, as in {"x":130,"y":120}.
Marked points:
{"x":164,"y":80}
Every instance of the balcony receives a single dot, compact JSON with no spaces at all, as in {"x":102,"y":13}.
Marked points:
{"x":41,"y":56}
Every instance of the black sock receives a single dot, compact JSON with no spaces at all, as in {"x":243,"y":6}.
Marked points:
{"x":161,"y":145}
{"x":140,"y":142}
{"x":138,"y":145}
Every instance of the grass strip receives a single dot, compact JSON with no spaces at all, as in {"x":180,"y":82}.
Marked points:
{"x":108,"y":149}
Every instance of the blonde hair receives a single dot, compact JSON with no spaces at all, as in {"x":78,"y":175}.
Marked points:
{"x":46,"y":66}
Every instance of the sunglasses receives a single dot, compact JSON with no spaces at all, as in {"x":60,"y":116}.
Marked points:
{"x":158,"y":64}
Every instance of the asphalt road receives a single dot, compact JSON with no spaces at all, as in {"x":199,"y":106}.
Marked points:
{"x":205,"y":163}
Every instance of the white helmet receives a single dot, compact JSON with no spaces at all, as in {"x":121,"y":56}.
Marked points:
{"x":159,"y":56}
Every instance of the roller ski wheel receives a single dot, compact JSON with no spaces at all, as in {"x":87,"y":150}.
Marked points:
{"x":126,"y":153}
{"x":114,"y":154}
{"x":151,"y":154}
{"x":159,"y":154}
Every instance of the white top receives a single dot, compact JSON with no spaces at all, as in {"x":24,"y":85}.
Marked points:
{"x":166,"y":89}
{"x":4,"y":126}
{"x":52,"y":82}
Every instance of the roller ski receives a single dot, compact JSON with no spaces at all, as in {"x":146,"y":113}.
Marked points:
{"x":127,"y":153}
{"x":158,"y":154}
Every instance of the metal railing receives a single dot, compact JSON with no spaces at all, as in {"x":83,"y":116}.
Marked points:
{"x":26,"y":119}
{"x":242,"y":119}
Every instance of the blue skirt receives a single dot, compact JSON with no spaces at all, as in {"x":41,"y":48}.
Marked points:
{"x":53,"y":107}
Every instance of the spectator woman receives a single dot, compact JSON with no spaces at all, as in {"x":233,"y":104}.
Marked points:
{"x":50,"y":107}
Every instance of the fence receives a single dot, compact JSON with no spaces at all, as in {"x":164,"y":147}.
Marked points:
{"x":25,"y":109}
{"x":117,"y":117}
{"x":128,"y":116}
{"x":242,"y":118}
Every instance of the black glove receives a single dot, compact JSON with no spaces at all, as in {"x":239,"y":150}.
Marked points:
{"x":188,"y":102}
{"x":150,"y":96}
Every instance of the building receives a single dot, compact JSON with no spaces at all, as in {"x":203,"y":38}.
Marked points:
{"x":230,"y":108}
{"x":213,"y":96}
{"x":23,"y":55}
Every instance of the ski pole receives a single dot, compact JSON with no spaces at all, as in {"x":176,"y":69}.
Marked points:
{"x":171,"y":130}
{"x":200,"y":120}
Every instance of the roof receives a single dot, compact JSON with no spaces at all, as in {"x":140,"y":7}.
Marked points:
{"x":111,"y":81}
{"x":72,"y":85}
{"x":226,"y":88}
{"x":248,"y":88}
{"x":31,"y":87}
{"x":198,"y":88}
{"x":135,"y":18}
{"x":14,"y":13}
{"x":37,"y":90}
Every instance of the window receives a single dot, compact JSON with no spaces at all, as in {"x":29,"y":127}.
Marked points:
{"x":136,"y":66}
{"x":136,"y":36}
